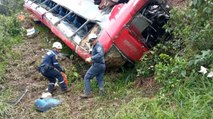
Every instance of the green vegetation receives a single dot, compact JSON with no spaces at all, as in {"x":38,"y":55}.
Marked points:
{"x":9,"y":36}
{"x":4,"y":106}
{"x":6,"y":42}
{"x":184,"y":92}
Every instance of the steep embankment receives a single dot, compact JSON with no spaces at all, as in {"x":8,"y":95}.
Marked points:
{"x":21,"y":74}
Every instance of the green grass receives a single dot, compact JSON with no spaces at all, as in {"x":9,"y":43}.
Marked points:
{"x":2,"y":71}
{"x":5,"y":96}
{"x":192,"y":106}
{"x":7,"y":41}
{"x":191,"y":98}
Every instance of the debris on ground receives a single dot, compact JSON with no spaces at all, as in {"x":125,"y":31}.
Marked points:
{"x":19,"y":98}
{"x":27,"y":25}
{"x":46,"y":95}
{"x":44,"y":104}
{"x":22,"y":72}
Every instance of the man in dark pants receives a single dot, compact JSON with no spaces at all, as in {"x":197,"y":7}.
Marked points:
{"x":97,"y":69}
{"x":51,"y":69}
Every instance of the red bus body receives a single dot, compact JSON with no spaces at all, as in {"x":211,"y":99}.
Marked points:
{"x":120,"y":33}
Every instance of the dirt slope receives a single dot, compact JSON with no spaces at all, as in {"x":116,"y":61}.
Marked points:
{"x":21,"y":74}
{"x":178,"y":3}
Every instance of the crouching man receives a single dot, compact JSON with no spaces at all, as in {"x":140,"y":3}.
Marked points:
{"x":51,"y":69}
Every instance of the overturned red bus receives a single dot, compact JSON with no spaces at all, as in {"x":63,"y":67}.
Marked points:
{"x":126,"y":30}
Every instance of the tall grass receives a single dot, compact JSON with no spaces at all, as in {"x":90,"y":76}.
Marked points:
{"x":9,"y":36}
{"x":5,"y":96}
{"x":186,"y":102}
{"x":185,"y":94}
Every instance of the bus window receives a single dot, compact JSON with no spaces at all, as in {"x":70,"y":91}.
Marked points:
{"x":38,"y":1}
{"x":86,"y":28}
{"x":62,"y":11}
{"x":139,"y":23}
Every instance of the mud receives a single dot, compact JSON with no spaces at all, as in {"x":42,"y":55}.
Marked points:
{"x":21,"y":73}
{"x":178,"y":3}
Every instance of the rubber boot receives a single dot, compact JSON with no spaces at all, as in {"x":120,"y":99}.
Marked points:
{"x":64,"y":87}
{"x":85,"y":96}
{"x":101,"y":92}
{"x":51,"y":87}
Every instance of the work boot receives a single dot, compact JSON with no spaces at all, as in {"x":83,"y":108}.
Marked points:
{"x":54,"y":89}
{"x":101,"y":92}
{"x":66,"y":91}
{"x":84,"y":96}
{"x":51,"y":88}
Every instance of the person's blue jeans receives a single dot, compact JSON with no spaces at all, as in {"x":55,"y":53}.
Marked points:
{"x":51,"y":74}
{"x":96,"y":70}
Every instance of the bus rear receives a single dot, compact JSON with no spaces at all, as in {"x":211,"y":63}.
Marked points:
{"x":137,"y":26}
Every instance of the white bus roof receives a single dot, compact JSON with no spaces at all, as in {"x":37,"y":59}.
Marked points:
{"x":84,"y":8}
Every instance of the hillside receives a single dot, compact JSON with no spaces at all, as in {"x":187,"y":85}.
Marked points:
{"x":127,"y":96}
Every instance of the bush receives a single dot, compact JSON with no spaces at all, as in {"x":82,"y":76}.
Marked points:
{"x":205,"y":58}
{"x":172,"y":73}
{"x":9,"y":36}
{"x":194,"y":26}
{"x":160,"y":53}
{"x":9,"y":26}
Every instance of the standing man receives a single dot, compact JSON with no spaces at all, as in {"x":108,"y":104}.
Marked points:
{"x":97,"y":69}
{"x":51,"y":69}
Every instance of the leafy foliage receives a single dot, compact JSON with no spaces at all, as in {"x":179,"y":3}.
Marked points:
{"x":160,"y":53}
{"x":172,"y":73}
{"x":194,"y":26}
{"x":9,"y":36}
{"x":192,"y":29}
{"x":10,"y":26}
{"x":185,"y":92}
{"x":9,"y":7}
{"x":203,"y":59}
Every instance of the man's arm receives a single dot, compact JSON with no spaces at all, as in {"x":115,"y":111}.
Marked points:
{"x":56,"y":64}
{"x":100,"y":53}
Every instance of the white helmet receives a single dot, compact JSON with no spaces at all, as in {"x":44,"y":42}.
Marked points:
{"x":57,"y":45}
{"x":115,"y":1}
{"x":92,"y":37}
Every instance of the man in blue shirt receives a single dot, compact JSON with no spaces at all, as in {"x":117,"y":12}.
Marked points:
{"x":97,"y":69}
{"x":51,"y":69}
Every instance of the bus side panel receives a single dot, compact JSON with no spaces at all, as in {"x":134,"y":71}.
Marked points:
{"x":130,"y":46}
{"x":51,"y":26}
{"x":62,"y":37}
{"x":32,"y":10}
{"x":105,"y":40}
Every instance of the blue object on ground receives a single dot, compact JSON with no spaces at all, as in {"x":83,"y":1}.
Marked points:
{"x":46,"y":104}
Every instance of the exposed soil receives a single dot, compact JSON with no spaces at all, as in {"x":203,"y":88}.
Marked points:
{"x":22,"y":73}
{"x":178,"y":3}
{"x":148,"y":85}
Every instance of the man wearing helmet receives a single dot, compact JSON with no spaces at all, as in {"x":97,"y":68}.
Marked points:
{"x":98,"y":67}
{"x":51,"y":69}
